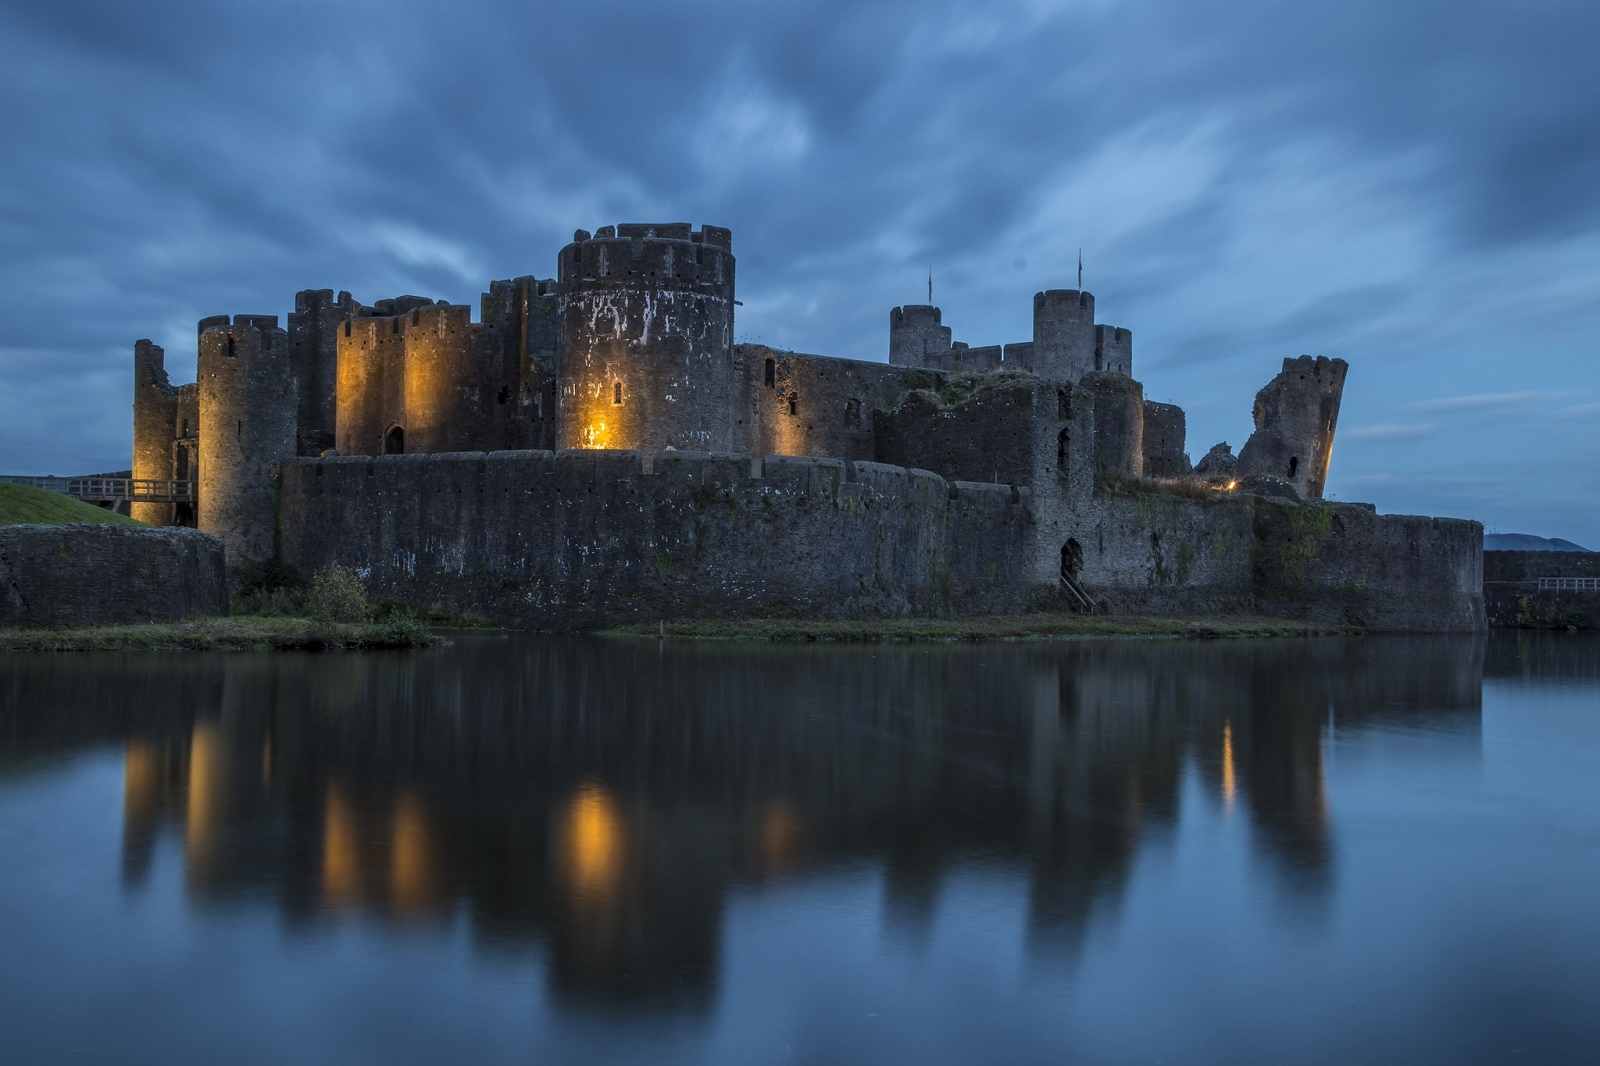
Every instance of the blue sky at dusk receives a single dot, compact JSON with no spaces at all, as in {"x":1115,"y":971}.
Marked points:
{"x":1413,"y":187}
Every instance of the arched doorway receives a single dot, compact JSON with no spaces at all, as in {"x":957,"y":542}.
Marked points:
{"x":394,"y":440}
{"x":1071,"y":560}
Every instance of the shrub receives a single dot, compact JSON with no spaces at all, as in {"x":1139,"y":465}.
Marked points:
{"x":337,"y":595}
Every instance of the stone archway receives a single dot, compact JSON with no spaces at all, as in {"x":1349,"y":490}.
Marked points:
{"x":394,"y":440}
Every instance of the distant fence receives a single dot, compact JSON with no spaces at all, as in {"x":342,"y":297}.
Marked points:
{"x":1578,"y":584}
{"x":110,"y":489}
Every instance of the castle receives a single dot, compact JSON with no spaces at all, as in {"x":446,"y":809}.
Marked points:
{"x":595,"y":447}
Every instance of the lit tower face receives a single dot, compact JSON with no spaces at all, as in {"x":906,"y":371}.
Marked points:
{"x":645,"y":339}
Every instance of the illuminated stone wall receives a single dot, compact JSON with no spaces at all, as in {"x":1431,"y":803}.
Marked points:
{"x":793,"y":404}
{"x":644,"y":353}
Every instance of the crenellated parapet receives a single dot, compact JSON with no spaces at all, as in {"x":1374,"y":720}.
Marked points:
{"x":644,"y":341}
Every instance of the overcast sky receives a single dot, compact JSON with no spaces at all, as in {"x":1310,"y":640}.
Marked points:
{"x":1411,"y":186}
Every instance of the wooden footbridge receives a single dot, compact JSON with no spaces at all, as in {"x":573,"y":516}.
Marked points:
{"x":110,"y":490}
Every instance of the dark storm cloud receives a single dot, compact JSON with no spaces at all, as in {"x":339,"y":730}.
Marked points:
{"x":1252,"y":179}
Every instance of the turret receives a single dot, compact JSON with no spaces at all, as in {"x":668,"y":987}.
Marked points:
{"x":248,"y":407}
{"x":155,"y":414}
{"x":918,"y":337}
{"x":314,"y":327}
{"x":1063,"y":334}
{"x":644,"y":343}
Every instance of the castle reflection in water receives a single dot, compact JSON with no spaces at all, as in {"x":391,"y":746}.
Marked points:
{"x":602,"y":799}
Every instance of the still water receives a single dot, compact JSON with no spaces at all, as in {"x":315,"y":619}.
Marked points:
{"x":527,"y":849}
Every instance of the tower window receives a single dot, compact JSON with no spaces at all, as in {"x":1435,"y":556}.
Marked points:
{"x":1294,"y":464}
{"x":772,"y":373}
{"x":616,"y":393}
{"x":394,"y":441}
{"x":852,"y":413}
{"x":231,"y":351}
{"x":794,"y":404}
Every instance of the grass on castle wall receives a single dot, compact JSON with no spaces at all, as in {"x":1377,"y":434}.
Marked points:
{"x":988,"y":627}
{"x":26,"y":505}
{"x":227,"y":634}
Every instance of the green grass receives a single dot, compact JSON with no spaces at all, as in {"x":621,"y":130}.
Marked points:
{"x":20,"y":504}
{"x":988,"y":627}
{"x":226,"y":634}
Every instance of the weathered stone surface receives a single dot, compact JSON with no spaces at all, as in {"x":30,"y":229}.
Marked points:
{"x":1273,"y":488}
{"x":579,"y":538}
{"x":1164,"y":431}
{"x":1512,"y":595}
{"x":1218,"y":462}
{"x":1295,"y":415}
{"x":82,"y":575}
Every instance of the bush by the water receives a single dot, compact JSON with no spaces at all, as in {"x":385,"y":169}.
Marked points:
{"x":270,"y":589}
{"x":337,"y":595}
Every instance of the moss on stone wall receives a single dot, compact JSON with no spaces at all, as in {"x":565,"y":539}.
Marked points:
{"x":1287,"y":538}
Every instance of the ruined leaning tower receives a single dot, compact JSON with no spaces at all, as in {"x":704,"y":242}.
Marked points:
{"x":644,"y":342}
{"x":248,"y":405}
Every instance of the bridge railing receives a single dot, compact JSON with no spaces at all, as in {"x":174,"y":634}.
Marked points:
{"x":1580,"y":584}
{"x":111,"y":489}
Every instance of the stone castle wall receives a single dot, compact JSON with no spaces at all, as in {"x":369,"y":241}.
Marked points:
{"x":788,"y":403}
{"x":84,"y":575}
{"x":580,"y":538}
{"x":1512,"y":595}
{"x":645,"y":339}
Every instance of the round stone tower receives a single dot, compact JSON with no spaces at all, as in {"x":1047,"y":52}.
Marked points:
{"x":644,"y":343}
{"x":247,"y":425}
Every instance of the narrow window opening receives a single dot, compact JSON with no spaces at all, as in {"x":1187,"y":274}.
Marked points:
{"x":347,"y":327}
{"x":394,"y":324}
{"x":852,"y":413}
{"x":231,"y":351}
{"x":616,"y":393}
{"x":1294,"y":464}
{"x":238,"y":428}
{"x":1063,"y":408}
{"x":394,"y":441}
{"x":1061,"y":453}
{"x":794,"y":404}
{"x":416,"y":318}
{"x":772,"y":373}
{"x":505,"y":394}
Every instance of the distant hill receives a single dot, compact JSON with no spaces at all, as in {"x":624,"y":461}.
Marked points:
{"x":1527,"y":542}
{"x":23,"y":503}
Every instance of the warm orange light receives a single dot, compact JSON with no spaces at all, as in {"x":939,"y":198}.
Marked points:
{"x":341,"y":857}
{"x":411,"y":865}
{"x":1228,"y":782}
{"x":595,"y":435}
{"x":141,"y":782}
{"x":780,"y":835}
{"x":594,"y":843}
{"x":201,"y":807}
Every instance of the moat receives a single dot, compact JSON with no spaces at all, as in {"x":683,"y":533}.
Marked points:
{"x":522,"y":848}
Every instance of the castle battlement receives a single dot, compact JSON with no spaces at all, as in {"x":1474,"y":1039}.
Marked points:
{"x":650,"y":256}
{"x":257,"y":323}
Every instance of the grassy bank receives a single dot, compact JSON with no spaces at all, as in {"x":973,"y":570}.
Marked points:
{"x":225,"y":634}
{"x":24,"y":504}
{"x":987,"y":627}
